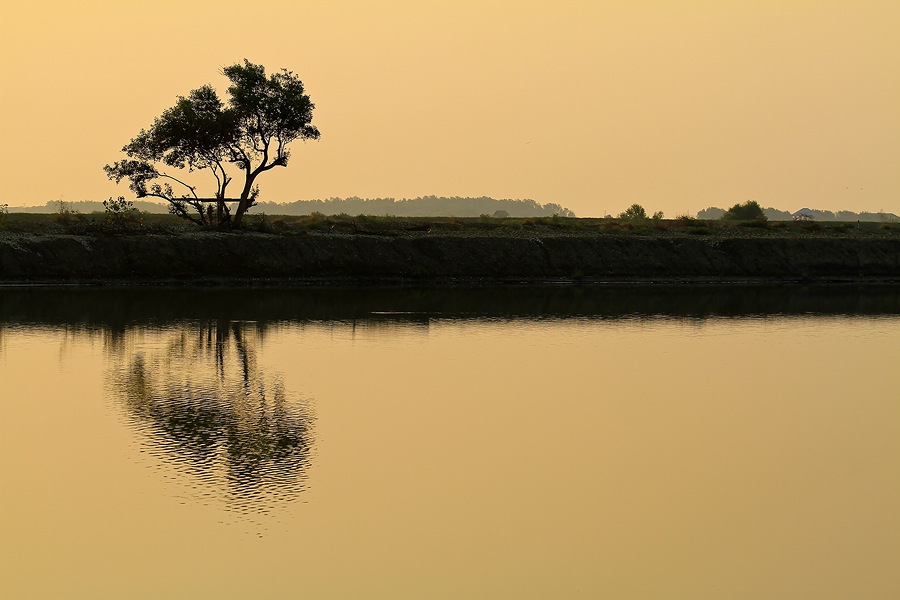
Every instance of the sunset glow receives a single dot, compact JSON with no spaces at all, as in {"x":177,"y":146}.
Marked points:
{"x":592,"y":105}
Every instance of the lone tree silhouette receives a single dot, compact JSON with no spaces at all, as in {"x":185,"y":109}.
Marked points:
{"x":252,"y":132}
{"x":635,"y":211}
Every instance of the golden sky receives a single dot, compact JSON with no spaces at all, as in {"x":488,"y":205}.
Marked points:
{"x":676,"y":105}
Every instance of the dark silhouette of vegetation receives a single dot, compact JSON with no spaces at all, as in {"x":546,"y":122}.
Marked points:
{"x":748,"y":211}
{"x":65,"y":212}
{"x":69,"y":220}
{"x":252,"y":133}
{"x":118,"y":206}
{"x":813,"y":214}
{"x":120,"y":210}
{"x":635,"y":211}
{"x":426,"y":206}
{"x":774,"y":214}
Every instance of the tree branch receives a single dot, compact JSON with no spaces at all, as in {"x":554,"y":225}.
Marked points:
{"x":191,"y":188}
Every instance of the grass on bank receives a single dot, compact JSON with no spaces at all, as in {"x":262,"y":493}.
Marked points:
{"x":136,"y":223}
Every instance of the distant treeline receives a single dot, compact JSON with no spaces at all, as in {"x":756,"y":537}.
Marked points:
{"x":438,"y":206}
{"x":427,"y":206}
{"x":86,"y":206}
{"x":773,"y":214}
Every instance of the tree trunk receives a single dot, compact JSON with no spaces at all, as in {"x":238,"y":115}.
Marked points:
{"x":239,"y":213}
{"x":244,"y":204}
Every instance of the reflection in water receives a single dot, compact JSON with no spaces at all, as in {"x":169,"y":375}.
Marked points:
{"x":204,"y":404}
{"x":644,"y":448}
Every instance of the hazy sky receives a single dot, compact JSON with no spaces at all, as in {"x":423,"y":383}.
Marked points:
{"x":677,"y":105}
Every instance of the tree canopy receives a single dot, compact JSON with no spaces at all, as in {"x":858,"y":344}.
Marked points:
{"x":251,"y":134}
{"x":748,"y":211}
{"x":635,"y":211}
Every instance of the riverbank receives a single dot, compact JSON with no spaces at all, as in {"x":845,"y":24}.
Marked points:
{"x":446,"y":256}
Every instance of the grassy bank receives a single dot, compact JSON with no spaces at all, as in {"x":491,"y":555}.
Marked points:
{"x":135,"y":223}
{"x":89,"y":248}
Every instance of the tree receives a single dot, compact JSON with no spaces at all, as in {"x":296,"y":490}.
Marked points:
{"x":558,"y":209}
{"x":711,"y":213}
{"x":748,"y":211}
{"x":635,"y":211}
{"x":263,"y":115}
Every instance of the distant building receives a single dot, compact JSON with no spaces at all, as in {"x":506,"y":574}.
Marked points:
{"x":804,"y":214}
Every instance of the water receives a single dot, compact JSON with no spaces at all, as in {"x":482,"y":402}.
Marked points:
{"x":513,"y":443}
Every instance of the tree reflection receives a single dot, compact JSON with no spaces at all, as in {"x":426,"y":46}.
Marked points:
{"x":207,"y":407}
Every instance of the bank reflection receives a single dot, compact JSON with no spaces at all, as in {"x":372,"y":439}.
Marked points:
{"x":201,"y":401}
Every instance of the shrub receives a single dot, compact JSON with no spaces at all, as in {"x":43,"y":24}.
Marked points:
{"x":316,"y":221}
{"x":64,"y":212}
{"x":119,"y":211}
{"x":686,"y":219}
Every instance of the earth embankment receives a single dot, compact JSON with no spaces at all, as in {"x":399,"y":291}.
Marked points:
{"x":213,"y":256}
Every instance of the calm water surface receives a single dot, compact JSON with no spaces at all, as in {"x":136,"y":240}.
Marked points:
{"x":524,"y":443}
